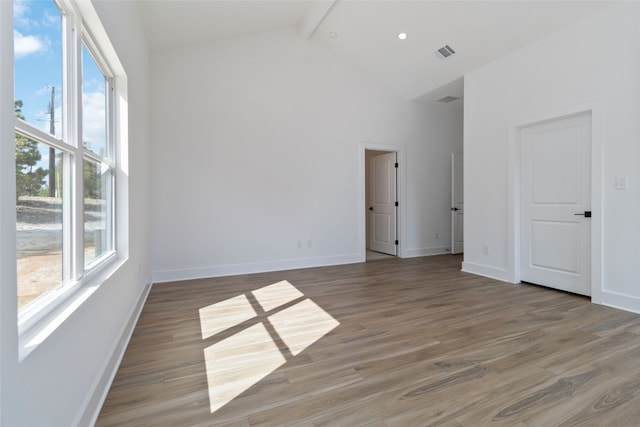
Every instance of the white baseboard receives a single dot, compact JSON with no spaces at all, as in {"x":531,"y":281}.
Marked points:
{"x":95,"y":399}
{"x":620,"y":301}
{"x":418,"y":252}
{"x":252,"y":267}
{"x":607,"y":298}
{"x":501,"y":274}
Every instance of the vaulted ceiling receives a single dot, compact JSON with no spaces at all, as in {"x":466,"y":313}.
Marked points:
{"x":366,"y":32}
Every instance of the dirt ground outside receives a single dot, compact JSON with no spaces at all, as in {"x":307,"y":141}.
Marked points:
{"x":39,"y":244}
{"x":38,"y":273}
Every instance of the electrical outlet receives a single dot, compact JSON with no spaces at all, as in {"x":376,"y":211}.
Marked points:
{"x":621,"y":183}
{"x":309,"y":243}
{"x":299,"y":244}
{"x":485,"y":250}
{"x":436,"y":235}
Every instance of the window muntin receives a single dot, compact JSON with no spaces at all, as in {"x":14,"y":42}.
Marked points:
{"x":77,"y":138}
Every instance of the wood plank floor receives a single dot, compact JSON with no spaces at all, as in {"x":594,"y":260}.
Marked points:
{"x":397,"y":342}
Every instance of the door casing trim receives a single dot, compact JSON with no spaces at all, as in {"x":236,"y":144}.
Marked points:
{"x":513,"y":189}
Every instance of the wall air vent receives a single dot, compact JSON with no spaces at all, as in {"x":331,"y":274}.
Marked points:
{"x":447,"y":99}
{"x":445,"y":52}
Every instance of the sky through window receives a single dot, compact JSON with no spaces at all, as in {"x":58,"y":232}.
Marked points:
{"x":38,"y":71}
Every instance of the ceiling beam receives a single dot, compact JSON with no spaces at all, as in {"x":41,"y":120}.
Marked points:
{"x":316,"y":12}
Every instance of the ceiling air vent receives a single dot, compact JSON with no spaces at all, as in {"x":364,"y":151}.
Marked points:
{"x":445,"y":52}
{"x":447,"y":99}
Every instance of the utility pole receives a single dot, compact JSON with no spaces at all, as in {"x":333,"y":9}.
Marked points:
{"x":52,"y":151}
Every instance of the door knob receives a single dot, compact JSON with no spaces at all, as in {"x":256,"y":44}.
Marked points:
{"x":455,"y":209}
{"x":370,"y":208}
{"x":586,"y":214}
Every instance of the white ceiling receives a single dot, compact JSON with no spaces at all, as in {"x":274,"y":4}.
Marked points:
{"x":479,"y":31}
{"x":172,"y":23}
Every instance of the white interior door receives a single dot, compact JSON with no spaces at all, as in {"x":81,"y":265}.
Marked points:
{"x":457,"y":205}
{"x":556,"y":203}
{"x":383,"y":210}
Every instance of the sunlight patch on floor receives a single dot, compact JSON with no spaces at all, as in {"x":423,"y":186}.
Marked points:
{"x":240,"y":361}
{"x":275,"y":295}
{"x":221,"y":316}
{"x":302,"y":324}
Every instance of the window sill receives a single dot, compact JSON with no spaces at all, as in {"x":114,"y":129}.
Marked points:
{"x":40,"y":323}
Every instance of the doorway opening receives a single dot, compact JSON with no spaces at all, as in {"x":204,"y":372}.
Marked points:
{"x":381,"y":202}
{"x":457,"y":204}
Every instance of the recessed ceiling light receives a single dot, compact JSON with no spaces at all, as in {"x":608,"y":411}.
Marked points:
{"x":402,"y":36}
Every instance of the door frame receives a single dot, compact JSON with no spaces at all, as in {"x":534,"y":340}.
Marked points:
{"x":371,"y":180}
{"x":400,"y":195}
{"x":454,"y":213}
{"x":513,"y":189}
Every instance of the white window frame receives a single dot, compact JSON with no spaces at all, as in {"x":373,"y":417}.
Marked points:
{"x":38,"y":318}
{"x":108,"y":159}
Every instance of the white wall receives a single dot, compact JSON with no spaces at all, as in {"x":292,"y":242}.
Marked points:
{"x":257,"y":146}
{"x":595,"y":63}
{"x":62,"y":381}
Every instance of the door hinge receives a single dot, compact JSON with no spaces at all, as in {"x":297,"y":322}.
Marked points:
{"x":396,"y":204}
{"x":396,"y":164}
{"x":396,"y":242}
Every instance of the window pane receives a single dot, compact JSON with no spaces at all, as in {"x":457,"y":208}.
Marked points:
{"x":38,"y":220}
{"x":98,"y":207}
{"x":38,"y":63}
{"x":94,"y":106}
